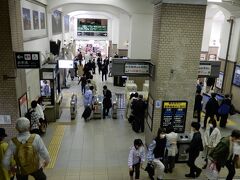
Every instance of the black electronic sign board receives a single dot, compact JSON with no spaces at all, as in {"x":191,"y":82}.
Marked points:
{"x":174,"y":113}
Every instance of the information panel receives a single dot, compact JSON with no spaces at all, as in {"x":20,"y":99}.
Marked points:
{"x":136,"y":68}
{"x":236,"y":77}
{"x":174,"y":112}
{"x":27,"y":60}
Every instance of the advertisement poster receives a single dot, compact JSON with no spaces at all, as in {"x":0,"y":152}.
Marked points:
{"x":150,"y":106}
{"x":219,"y":80}
{"x":23,"y":105}
{"x":236,"y":76}
{"x":26,"y":19}
{"x":174,"y":113}
{"x":35,"y":20}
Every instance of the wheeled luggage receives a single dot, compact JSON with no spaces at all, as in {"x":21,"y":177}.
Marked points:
{"x":86,"y":113}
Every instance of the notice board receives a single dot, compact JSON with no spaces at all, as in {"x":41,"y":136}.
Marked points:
{"x":174,"y":113}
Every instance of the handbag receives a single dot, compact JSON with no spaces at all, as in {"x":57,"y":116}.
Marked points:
{"x":211,"y":171}
{"x":237,"y":162}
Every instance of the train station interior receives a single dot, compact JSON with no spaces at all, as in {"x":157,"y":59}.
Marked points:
{"x":162,"y":49}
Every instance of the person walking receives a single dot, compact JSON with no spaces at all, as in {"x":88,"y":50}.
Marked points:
{"x":224,"y":110}
{"x":139,"y":107}
{"x":194,"y":149}
{"x":107,"y":101}
{"x":171,"y":149}
{"x":104,"y":71}
{"x":4,"y":174}
{"x":198,"y":105}
{"x":156,"y":152}
{"x":211,"y":109}
{"x":136,"y":158}
{"x":83,"y":81}
{"x":88,"y":98}
{"x":226,"y":153}
{"x":27,"y":151}
{"x":35,"y":118}
{"x":211,"y":138}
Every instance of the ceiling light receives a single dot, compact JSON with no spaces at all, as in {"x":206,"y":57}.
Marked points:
{"x":214,"y":0}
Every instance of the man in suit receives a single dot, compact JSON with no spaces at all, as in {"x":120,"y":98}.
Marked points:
{"x":211,"y":109}
{"x":194,"y":149}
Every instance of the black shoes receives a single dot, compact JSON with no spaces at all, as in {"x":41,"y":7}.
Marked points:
{"x":190,"y":175}
{"x":198,"y":172}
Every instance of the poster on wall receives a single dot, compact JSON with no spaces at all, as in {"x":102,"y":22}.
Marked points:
{"x":56,"y":22}
{"x":26,"y":19}
{"x":42,"y":20}
{"x":92,"y":27}
{"x":219,"y":80}
{"x":150,"y":106}
{"x":66,"y":23}
{"x":236,"y":76}
{"x":35,"y":20}
{"x":174,"y":113}
{"x":23,"y":105}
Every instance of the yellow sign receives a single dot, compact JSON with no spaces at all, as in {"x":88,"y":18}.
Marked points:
{"x":177,"y":105}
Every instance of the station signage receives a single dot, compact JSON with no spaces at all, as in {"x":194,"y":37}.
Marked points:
{"x":136,"y":68}
{"x":27,"y":60}
{"x":174,"y":113}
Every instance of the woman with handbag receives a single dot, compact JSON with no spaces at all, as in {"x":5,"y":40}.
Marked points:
{"x":212,"y":137}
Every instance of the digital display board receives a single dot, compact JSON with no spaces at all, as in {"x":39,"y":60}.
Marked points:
{"x":236,"y":76}
{"x":174,"y":113}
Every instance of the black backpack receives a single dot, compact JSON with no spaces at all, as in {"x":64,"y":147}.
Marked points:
{"x":29,"y":114}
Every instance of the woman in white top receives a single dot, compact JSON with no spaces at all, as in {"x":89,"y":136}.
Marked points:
{"x":171,"y":149}
{"x":212,"y":137}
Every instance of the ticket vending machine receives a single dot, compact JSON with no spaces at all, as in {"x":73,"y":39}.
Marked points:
{"x":50,"y":91}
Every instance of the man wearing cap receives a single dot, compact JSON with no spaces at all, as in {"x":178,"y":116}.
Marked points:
{"x":23,"y":126}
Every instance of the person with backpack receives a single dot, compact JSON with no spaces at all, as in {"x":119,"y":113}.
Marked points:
{"x":156,"y":153}
{"x":4,"y":174}
{"x":224,"y":110}
{"x":194,"y":149}
{"x":27,"y":149}
{"x":136,"y":158}
{"x":226,"y":153}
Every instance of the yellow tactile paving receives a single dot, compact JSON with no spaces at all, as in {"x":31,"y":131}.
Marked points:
{"x":230,"y":122}
{"x":55,"y":144}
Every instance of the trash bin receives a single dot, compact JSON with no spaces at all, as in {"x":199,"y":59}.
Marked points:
{"x":183,"y":144}
{"x":73,"y":106}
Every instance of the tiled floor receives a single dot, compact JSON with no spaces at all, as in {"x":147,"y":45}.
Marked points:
{"x":98,"y":149}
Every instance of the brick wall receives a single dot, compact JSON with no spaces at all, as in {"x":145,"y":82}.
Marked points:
{"x":176,"y":46}
{"x":11,"y":39}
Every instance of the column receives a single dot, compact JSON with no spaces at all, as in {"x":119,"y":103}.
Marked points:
{"x":12,"y":81}
{"x":176,"y":46}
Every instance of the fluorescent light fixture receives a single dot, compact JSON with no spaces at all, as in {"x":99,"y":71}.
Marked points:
{"x":214,"y":0}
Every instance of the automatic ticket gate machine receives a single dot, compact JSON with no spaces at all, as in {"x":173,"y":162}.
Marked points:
{"x":50,"y":91}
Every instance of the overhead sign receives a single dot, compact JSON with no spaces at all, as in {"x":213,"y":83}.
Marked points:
{"x":209,"y":69}
{"x":174,"y":113}
{"x":27,"y":60}
{"x":136,"y":68}
{"x":204,"y":70}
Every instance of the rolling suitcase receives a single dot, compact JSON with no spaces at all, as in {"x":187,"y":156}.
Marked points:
{"x":86,"y":113}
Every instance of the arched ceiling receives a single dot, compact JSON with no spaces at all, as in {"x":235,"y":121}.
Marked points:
{"x":228,"y":8}
{"x":127,"y":6}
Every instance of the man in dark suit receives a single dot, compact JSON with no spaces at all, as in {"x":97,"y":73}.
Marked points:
{"x":194,"y":149}
{"x":211,"y":108}
{"x":107,"y":101}
{"x":198,"y":105}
